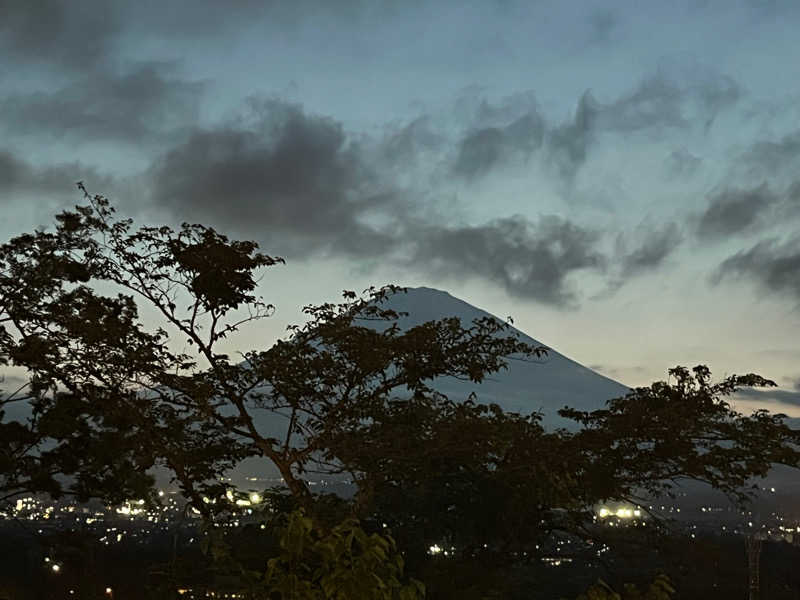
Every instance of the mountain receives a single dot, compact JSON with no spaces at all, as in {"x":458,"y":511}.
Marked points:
{"x":544,"y":384}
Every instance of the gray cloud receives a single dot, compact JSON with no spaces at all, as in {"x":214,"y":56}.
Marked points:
{"x":403,"y":146}
{"x":56,"y":32}
{"x":784,"y":396}
{"x":291,"y":177}
{"x":659,"y":102}
{"x":19,"y":177}
{"x":654,"y":247}
{"x":773,"y":157}
{"x":298,"y":182}
{"x":771,"y":264}
{"x":495,"y":134}
{"x":568,"y":144}
{"x":482,"y":150}
{"x":731,"y":211}
{"x":141,"y":103}
{"x":529,"y":260}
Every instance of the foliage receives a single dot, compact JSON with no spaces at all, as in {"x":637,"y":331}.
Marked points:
{"x":339,"y":564}
{"x":111,"y":397}
{"x":649,"y":439}
{"x":659,"y":589}
{"x":91,"y":359}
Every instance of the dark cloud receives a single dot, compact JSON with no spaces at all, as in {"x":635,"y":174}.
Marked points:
{"x":296,"y":182}
{"x":18,"y":177}
{"x":784,"y":396}
{"x":568,"y":144}
{"x":659,"y":102}
{"x":770,"y":263}
{"x":497,"y":134}
{"x":291,"y":176}
{"x":131,"y":106}
{"x":732,"y":211}
{"x":654,"y":246}
{"x":57,"y":32}
{"x":774,"y":157}
{"x":482,"y":150}
{"x":529,"y":260}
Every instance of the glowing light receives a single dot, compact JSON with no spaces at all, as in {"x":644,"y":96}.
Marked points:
{"x":604,"y":512}
{"x":255,"y":498}
{"x":109,"y":591}
{"x":435,"y":549}
{"x":56,"y":568}
{"x":229,"y":495}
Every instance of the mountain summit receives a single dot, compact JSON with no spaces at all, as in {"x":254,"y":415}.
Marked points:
{"x":544,"y":384}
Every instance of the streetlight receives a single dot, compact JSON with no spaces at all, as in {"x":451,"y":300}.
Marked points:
{"x":109,"y":592}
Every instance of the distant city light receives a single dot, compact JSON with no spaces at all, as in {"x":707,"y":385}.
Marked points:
{"x":56,"y":568}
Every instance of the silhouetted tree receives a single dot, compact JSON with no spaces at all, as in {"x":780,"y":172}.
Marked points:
{"x":111,"y":397}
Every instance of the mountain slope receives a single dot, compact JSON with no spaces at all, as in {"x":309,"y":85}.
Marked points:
{"x":545,"y":384}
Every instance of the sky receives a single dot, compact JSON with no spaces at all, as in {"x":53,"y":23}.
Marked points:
{"x":620,"y":177}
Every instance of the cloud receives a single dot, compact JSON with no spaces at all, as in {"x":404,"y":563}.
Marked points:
{"x":20,"y":177}
{"x":654,"y":247}
{"x":771,"y":264}
{"x":682,"y":163}
{"x":731,"y":211}
{"x":602,"y":24}
{"x":482,"y":150}
{"x":773,"y":157}
{"x":568,"y":144}
{"x":794,"y":382}
{"x":404,"y":145}
{"x":783,"y":396}
{"x":144,"y":102}
{"x":297,"y":181}
{"x":58,"y":33}
{"x":529,"y":260}
{"x":663,"y":101}
{"x":291,"y":177}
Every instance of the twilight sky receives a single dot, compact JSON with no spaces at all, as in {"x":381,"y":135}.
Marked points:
{"x":621,"y":177}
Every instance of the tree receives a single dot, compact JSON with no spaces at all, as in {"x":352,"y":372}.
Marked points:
{"x":115,"y":399}
{"x":112,"y":397}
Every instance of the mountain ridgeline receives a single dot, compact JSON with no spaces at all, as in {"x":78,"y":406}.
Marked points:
{"x":544,"y":384}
